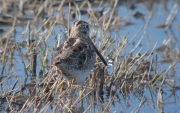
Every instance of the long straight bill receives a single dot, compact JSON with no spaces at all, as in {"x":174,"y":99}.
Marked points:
{"x":98,"y":53}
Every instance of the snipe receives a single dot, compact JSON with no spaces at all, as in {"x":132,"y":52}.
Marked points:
{"x":75,"y":58}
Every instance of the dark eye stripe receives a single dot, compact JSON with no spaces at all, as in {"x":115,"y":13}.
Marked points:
{"x":79,"y":22}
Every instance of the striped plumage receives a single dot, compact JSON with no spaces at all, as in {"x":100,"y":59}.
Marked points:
{"x":75,"y":58}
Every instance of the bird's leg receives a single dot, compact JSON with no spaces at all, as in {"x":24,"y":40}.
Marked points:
{"x":81,"y":95}
{"x":81,"y":98}
{"x":69,"y":90}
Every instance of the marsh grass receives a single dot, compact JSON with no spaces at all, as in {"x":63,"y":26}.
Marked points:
{"x":39,"y":88}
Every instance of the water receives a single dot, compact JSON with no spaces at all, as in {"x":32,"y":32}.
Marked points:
{"x":139,"y":100}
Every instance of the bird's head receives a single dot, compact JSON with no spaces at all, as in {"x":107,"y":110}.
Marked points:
{"x":80,"y":29}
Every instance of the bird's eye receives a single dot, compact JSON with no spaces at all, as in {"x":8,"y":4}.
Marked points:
{"x":87,"y":27}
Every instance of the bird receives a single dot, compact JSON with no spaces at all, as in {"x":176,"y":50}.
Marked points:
{"x":75,"y":58}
